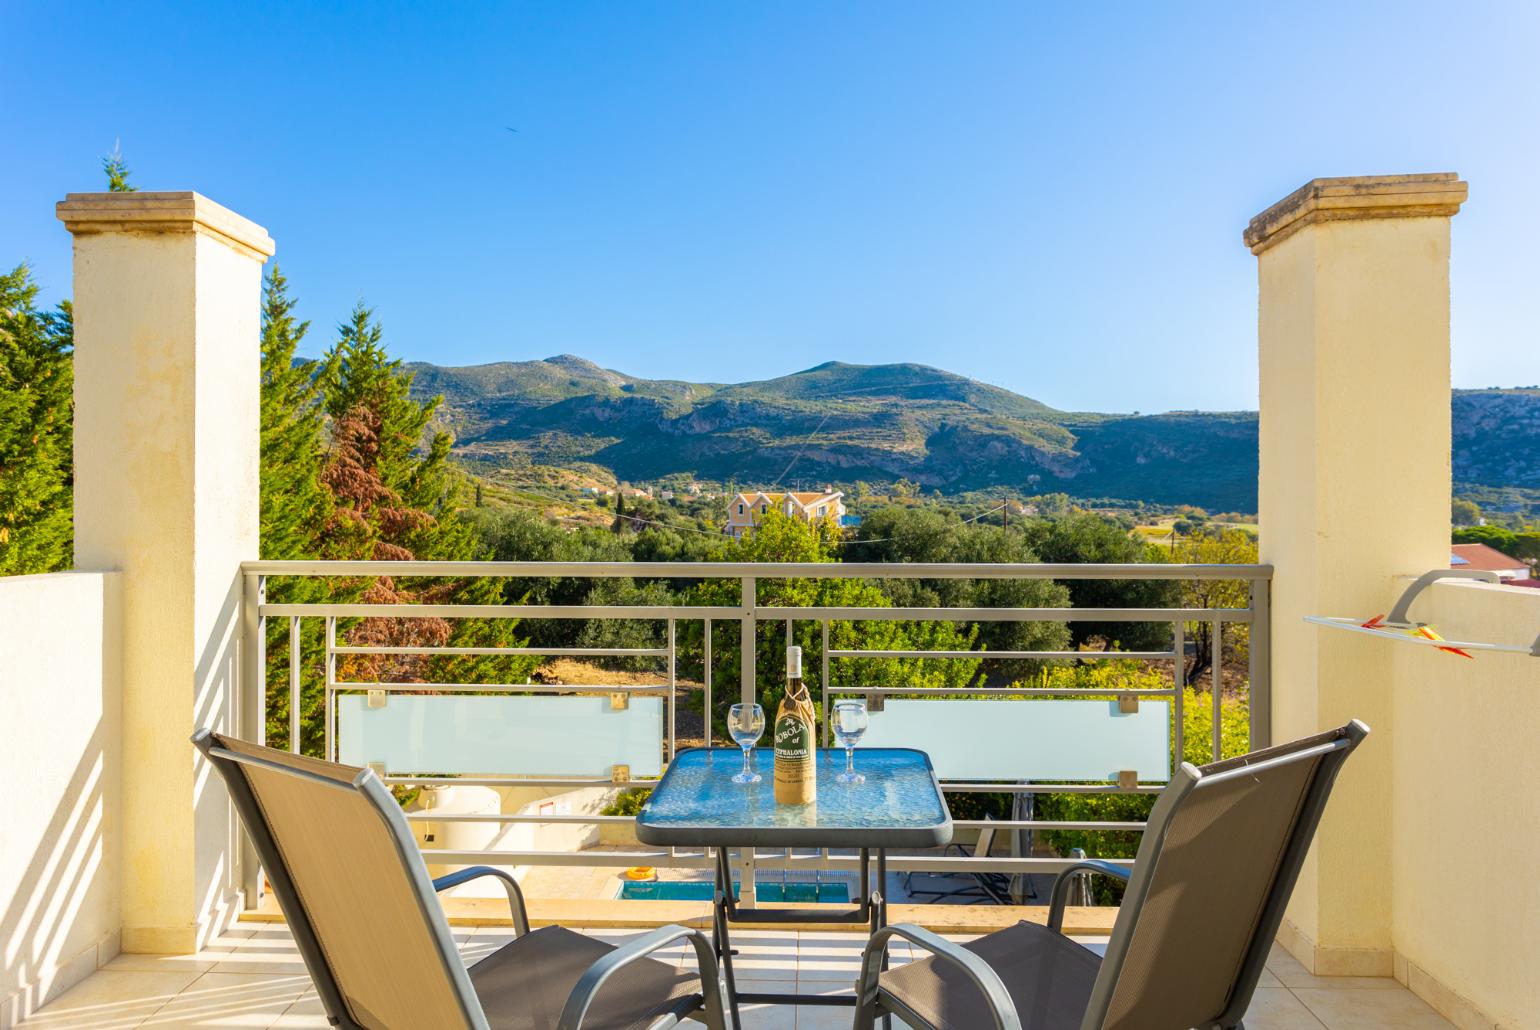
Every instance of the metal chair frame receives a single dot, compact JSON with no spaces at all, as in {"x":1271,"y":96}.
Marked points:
{"x":1332,"y":748}
{"x":425,"y":893}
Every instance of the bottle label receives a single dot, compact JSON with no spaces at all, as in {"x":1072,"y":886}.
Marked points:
{"x":793,"y":739}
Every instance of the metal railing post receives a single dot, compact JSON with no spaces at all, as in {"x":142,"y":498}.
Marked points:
{"x":750,"y":624}
{"x":1260,"y":664}
{"x":249,"y":717}
{"x":823,"y":677}
{"x":673,"y":690}
{"x":706,"y":675}
{"x":1179,"y":731}
{"x":748,"y":691}
{"x":1216,"y":685}
{"x":296,"y":688}
{"x":329,"y":731}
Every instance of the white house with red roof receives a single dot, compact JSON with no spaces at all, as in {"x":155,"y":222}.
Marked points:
{"x":1487,"y":559}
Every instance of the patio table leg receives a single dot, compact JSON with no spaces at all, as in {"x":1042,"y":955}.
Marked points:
{"x":719,"y":934}
{"x":880,"y":914}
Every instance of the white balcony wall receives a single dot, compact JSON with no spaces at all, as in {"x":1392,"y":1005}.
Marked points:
{"x":60,"y":853}
{"x":1466,"y":762}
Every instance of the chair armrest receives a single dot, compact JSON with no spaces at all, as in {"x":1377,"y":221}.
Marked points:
{"x":515,"y":896}
{"x":1062,"y":881}
{"x":713,"y":986}
{"x":974,"y":968}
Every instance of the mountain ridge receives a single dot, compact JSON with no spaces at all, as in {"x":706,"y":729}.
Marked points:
{"x":942,"y":430}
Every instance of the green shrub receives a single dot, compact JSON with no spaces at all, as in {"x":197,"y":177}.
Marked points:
{"x":627,"y":802}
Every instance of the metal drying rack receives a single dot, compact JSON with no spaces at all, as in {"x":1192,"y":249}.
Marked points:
{"x":1395,"y":625}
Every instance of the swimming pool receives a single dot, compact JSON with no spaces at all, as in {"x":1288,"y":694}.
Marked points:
{"x":701,"y":890}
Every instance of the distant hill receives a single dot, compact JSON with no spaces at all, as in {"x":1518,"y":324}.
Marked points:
{"x":884,"y":422}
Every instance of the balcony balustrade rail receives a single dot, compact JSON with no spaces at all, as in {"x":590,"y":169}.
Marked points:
{"x":971,"y":738}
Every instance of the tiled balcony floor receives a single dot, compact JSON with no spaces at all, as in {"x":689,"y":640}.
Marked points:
{"x":253,"y":978}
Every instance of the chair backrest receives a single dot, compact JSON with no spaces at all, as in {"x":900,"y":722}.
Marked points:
{"x":1220,"y":855}
{"x":352,"y":885}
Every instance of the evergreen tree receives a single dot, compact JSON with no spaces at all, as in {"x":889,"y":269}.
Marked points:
{"x":294,"y":506}
{"x":621,"y":522}
{"x":117,"y":172}
{"x":36,"y":415}
{"x":396,"y":498}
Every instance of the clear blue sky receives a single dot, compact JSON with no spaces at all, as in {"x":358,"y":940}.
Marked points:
{"x":1046,"y":198}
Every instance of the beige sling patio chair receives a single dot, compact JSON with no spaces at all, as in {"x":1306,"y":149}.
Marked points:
{"x":366,"y":919}
{"x":1220,"y":855}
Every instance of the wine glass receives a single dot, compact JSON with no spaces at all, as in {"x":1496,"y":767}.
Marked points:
{"x":850,"y":722}
{"x":746,"y":723}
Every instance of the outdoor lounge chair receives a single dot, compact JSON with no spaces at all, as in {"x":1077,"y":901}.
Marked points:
{"x":1219,"y":858}
{"x":352,"y":885}
{"x":991,"y":887}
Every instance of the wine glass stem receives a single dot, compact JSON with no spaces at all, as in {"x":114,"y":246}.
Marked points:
{"x":850,"y":760}
{"x":746,"y":761}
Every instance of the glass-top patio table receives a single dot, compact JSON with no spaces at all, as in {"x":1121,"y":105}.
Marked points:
{"x":696,"y":803}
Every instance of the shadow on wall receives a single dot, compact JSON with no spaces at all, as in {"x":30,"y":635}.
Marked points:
{"x":217,"y":838}
{"x":60,"y":649}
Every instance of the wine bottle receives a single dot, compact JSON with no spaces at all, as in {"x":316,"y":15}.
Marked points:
{"x":796,"y":757}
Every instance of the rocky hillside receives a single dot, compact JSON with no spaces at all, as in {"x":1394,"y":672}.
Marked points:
{"x":1497,"y":438}
{"x":884,"y":422}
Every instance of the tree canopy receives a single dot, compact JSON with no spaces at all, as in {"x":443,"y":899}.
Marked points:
{"x":36,"y":419}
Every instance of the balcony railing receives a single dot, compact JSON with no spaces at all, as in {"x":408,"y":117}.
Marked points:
{"x":1089,"y":741}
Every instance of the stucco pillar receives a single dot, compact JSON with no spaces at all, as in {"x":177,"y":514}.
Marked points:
{"x":167,"y":300}
{"x":1353,"y":329}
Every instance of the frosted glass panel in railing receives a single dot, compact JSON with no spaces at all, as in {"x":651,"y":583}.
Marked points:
{"x":1029,"y":740}
{"x":499,"y":735}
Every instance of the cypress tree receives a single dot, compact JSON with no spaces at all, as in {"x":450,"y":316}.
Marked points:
{"x":36,"y":438}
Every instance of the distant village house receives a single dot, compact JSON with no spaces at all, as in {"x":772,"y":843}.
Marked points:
{"x":1487,"y":559}
{"x":745,"y":510}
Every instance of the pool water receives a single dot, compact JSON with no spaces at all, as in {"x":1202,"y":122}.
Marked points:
{"x":701,"y":890}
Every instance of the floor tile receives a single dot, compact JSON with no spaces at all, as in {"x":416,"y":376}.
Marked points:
{"x":1371,"y":1009}
{"x":769,"y":1017}
{"x":199,"y":963}
{"x":268,"y":950}
{"x":111,"y":1000}
{"x":1276,"y":1008}
{"x":831,"y":957}
{"x":305,"y":1014}
{"x":765,"y":955}
{"x":224,"y":945}
{"x":231,"y":1000}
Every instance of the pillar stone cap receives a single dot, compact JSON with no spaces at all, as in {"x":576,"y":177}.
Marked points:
{"x":1430,"y":194}
{"x":179,"y":212}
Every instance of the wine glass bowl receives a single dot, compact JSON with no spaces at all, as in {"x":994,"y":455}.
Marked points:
{"x":746,"y":724}
{"x":850,"y":722}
